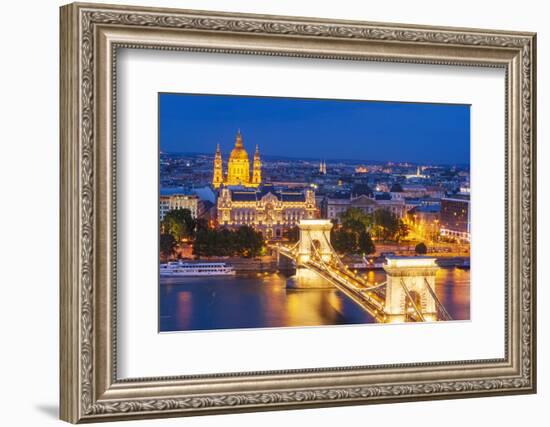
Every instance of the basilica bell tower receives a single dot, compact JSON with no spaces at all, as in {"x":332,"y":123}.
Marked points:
{"x":217,"y":179}
{"x":257,"y":168}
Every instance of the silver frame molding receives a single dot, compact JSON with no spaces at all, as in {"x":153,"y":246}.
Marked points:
{"x":90,"y":37}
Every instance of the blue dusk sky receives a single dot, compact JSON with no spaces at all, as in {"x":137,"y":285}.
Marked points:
{"x":317,"y":128}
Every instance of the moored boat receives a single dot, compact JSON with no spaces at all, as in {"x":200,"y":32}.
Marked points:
{"x":190,"y":269}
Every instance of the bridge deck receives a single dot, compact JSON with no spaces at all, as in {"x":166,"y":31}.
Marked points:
{"x":344,"y":281}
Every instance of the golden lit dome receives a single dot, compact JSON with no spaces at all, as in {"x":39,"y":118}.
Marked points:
{"x":238,"y":167}
{"x":238,"y":152}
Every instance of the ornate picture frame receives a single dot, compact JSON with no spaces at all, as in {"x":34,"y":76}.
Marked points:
{"x":90,"y":37}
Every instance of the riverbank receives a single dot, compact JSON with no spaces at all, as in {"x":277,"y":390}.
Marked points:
{"x":269,"y":263}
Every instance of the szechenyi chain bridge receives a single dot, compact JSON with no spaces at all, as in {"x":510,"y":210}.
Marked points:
{"x":407,"y":295}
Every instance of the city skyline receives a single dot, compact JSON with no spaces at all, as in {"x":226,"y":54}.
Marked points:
{"x":341,"y":130}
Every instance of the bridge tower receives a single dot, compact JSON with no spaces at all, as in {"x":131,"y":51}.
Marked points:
{"x":314,"y":239}
{"x":407,"y":292}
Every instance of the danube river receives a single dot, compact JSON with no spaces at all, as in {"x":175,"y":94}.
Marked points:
{"x":263,"y":301}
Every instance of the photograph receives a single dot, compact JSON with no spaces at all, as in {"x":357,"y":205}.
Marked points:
{"x":292,"y":212}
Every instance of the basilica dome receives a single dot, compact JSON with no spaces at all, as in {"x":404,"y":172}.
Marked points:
{"x":238,"y":152}
{"x":238,"y":167}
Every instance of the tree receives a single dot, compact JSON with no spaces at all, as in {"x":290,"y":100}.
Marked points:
{"x":353,"y":235}
{"x":386,"y":224}
{"x":344,"y":241}
{"x":179,"y":223}
{"x":200,"y":223}
{"x":226,"y":243}
{"x":249,"y":242}
{"x":354,"y":226}
{"x":421,"y":249}
{"x":243,"y":242}
{"x":167,"y":245}
{"x":200,"y":246}
{"x":354,"y":219}
{"x":365,"y":244}
{"x":170,"y":225}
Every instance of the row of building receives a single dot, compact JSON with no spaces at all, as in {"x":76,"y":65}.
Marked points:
{"x":239,"y":197}
{"x":272,"y":210}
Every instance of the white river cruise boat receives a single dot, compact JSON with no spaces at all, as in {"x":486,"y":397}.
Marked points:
{"x":182,"y":269}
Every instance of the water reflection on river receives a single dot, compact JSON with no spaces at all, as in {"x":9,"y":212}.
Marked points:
{"x":262,"y":300}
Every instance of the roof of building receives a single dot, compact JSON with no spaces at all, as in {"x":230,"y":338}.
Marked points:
{"x":382,"y":196}
{"x":254,"y":195}
{"x":173,"y":191}
{"x":458,"y":196}
{"x":292,"y":197}
{"x":339,"y":195}
{"x":244,"y":196}
{"x":266,"y":188}
{"x":396,"y":188}
{"x":205,"y":193}
{"x":413,"y":187}
{"x":207,"y":204}
{"x":362,"y":200}
{"x":361,"y":189}
{"x":433,"y":188}
{"x":426,"y":209}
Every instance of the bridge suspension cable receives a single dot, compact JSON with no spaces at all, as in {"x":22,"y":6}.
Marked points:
{"x":335,"y":254}
{"x":409,"y":296}
{"x":445,"y":314}
{"x":364,"y":288}
{"x":375,"y":289}
{"x":371,"y":288}
{"x":294,"y":246}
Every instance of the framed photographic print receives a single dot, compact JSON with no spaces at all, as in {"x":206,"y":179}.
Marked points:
{"x":263,"y":212}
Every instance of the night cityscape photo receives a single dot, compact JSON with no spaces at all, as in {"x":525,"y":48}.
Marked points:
{"x":292,"y":212}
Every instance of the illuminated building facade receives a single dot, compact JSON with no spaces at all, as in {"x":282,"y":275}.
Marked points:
{"x":238,"y":167}
{"x":265,"y":209}
{"x":455,"y":217}
{"x":178,"y":201}
{"x":335,"y":205}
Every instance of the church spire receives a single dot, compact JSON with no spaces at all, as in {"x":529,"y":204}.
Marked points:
{"x":239,"y":139}
{"x":257,"y":168}
{"x":323,"y":167}
{"x":217,"y":178}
